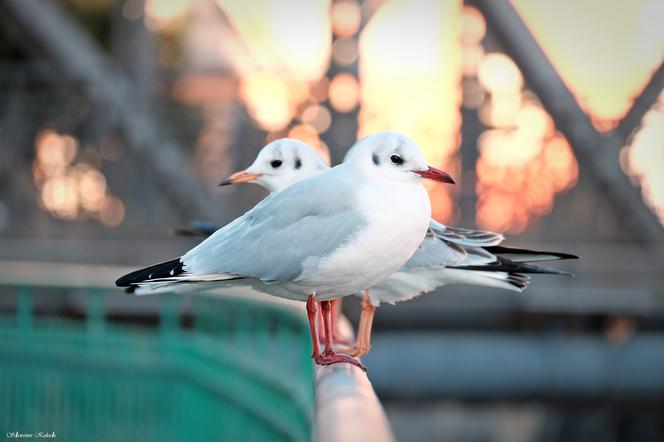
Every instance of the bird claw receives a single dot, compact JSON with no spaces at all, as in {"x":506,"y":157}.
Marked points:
{"x":335,"y":358}
{"x":360,"y":350}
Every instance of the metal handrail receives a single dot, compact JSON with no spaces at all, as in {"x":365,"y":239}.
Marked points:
{"x":347,"y":408}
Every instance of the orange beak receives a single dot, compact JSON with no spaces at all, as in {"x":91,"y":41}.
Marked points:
{"x":240,"y":177}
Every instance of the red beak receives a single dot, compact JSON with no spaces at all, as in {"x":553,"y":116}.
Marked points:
{"x":435,"y":174}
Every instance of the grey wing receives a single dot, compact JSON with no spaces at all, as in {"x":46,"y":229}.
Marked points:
{"x":435,"y":252}
{"x":271,"y":241}
{"x":465,"y":237}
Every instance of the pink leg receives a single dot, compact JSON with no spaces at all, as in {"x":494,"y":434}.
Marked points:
{"x":333,"y":318}
{"x":336,"y":311}
{"x":363,"y":340}
{"x":330,"y":356}
{"x":321,"y":329}
{"x":312,"y":314}
{"x":325,"y":307}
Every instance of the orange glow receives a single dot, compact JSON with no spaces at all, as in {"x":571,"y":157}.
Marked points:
{"x":472,"y":56}
{"x":605,"y":52}
{"x":305,"y":133}
{"x":278,"y":50}
{"x":289,"y":39}
{"x":473,"y":26}
{"x":442,"y":203}
{"x":346,"y":18}
{"x":523,"y":162}
{"x":268,"y":100}
{"x":68,"y":189}
{"x":499,"y":75}
{"x":533,"y":119}
{"x":410,"y":69}
{"x":112,"y":212}
{"x":643,"y":158}
{"x":512,"y":190}
{"x":324,"y":151}
{"x":318,"y":117}
{"x":501,"y":110}
{"x":91,"y":189}
{"x":164,"y":14}
{"x":344,"y":92}
{"x":473,"y":29}
{"x":59,"y":195}
{"x":308,"y":134}
{"x":318,"y":91}
{"x":55,"y":152}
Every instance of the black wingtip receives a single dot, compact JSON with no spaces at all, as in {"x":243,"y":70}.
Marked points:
{"x":505,"y":265}
{"x":500,"y":250}
{"x":166,"y":269}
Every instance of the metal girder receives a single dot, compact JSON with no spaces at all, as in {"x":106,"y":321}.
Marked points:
{"x":599,"y":151}
{"x":47,"y":29}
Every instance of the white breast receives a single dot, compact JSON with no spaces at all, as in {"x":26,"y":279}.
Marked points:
{"x":397,"y":217}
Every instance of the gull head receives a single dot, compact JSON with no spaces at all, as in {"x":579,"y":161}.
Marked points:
{"x":279,"y":164}
{"x":394,"y":156}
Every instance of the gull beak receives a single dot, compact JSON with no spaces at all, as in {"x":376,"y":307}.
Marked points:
{"x":435,"y":174}
{"x":240,"y":177}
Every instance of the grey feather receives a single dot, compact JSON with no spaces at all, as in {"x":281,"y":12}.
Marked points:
{"x":271,"y":241}
{"x":465,"y":237}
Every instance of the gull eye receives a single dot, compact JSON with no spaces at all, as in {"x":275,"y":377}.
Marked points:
{"x":396,"y":159}
{"x":275,"y":164}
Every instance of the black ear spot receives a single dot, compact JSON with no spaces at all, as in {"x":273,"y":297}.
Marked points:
{"x":298,"y":163}
{"x":375,"y":159}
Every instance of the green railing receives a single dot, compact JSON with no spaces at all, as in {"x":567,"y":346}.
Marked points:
{"x":241,"y":372}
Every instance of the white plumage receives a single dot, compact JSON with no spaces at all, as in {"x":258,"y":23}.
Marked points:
{"x":334,"y":234}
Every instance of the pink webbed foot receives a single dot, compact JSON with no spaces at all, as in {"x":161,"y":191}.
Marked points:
{"x":336,"y":358}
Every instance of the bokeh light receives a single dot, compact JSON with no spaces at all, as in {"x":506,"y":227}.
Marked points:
{"x":161,"y":14}
{"x":473,"y":30}
{"x":268,"y":100}
{"x":344,"y":92}
{"x":59,"y":196}
{"x":308,"y":134}
{"x":344,"y":51}
{"x":69,"y":189}
{"x":499,"y":74}
{"x":473,"y":27}
{"x":112,"y":212}
{"x":346,"y":18}
{"x":523,"y":161}
{"x":276,"y":61}
{"x":305,"y":133}
{"x":317,"y":116}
